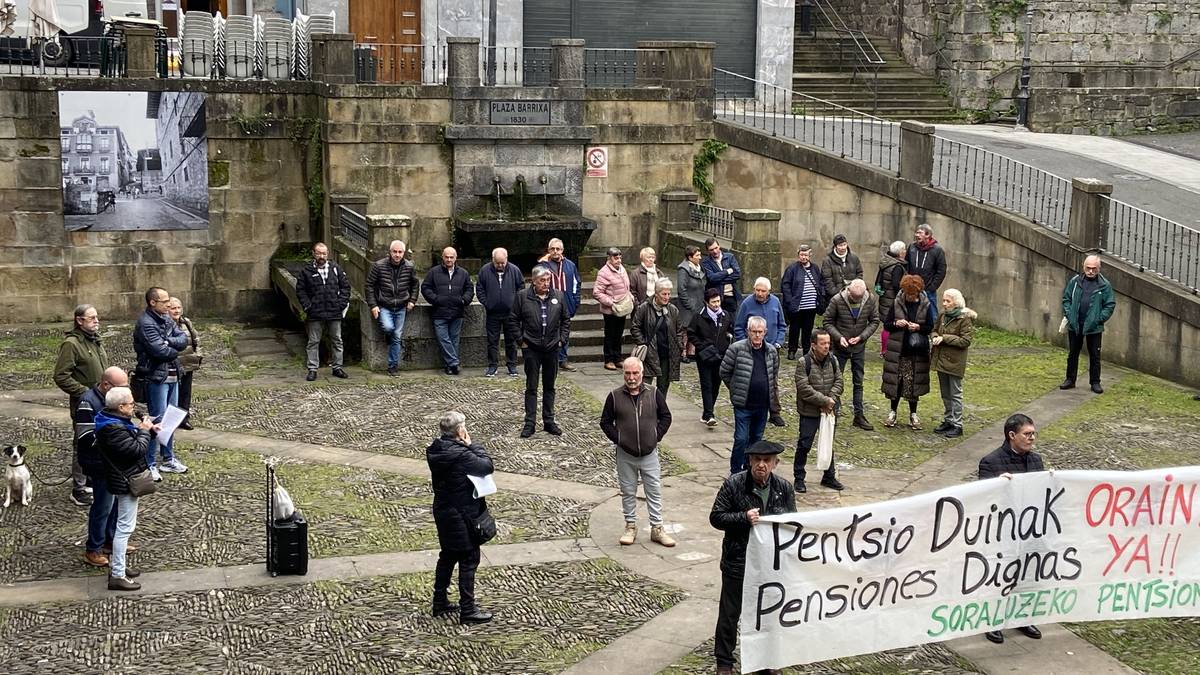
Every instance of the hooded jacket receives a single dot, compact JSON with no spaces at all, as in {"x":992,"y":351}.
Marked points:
{"x":122,"y":448}
{"x":930,"y":265}
{"x":841,"y":322}
{"x":950,"y":356}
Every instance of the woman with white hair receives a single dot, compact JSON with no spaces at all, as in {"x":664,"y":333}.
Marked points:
{"x":951,"y":338}
{"x":892,"y":269}
{"x":656,"y":326}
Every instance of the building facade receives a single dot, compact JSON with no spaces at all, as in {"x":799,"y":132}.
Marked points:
{"x":183,"y":148}
{"x":149,"y":172}
{"x":95,"y":158}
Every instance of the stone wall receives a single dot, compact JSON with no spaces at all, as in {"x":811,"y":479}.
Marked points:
{"x":1110,"y":111}
{"x":256,"y":194}
{"x":1011,"y":271}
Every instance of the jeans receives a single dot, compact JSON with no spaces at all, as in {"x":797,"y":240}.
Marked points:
{"x":857,"y":361}
{"x":127,"y":508}
{"x":808,"y":431}
{"x":392,"y":323}
{"x":1076,"y":342}
{"x":562,"y":351}
{"x":728,"y":612}
{"x":498,"y":322}
{"x":543,"y":363}
{"x":629,"y":469}
{"x":663,"y":383}
{"x":800,"y":327}
{"x":468,"y":562}
{"x":334,"y":329}
{"x":102,"y":516}
{"x":158,"y":396}
{"x":933,"y":304}
{"x":614,"y":330}
{"x":710,"y":384}
{"x":447,"y":331}
{"x":748,"y":427}
{"x":951,"y":386}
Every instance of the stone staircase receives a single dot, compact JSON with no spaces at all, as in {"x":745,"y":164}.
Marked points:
{"x":824,"y":67}
{"x":587,"y":328}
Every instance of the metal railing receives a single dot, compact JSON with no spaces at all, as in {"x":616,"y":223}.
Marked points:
{"x":1154,"y":244}
{"x":994,"y":179}
{"x":378,"y":63}
{"x":712,"y":220}
{"x":64,"y":56}
{"x":624,"y":68}
{"x":864,"y":50}
{"x":843,"y":131}
{"x":515,"y":66}
{"x":352,"y":226}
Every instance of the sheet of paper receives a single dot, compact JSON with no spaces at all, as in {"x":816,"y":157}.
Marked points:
{"x":171,"y":420}
{"x":484,"y":485}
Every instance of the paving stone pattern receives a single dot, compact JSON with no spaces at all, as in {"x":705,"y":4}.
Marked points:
{"x":547,"y":617}
{"x":401,"y":419}
{"x":213,"y":514}
{"x":929,"y":658}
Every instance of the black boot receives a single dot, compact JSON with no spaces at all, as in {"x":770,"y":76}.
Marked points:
{"x":442,"y":605}
{"x":475,"y":615}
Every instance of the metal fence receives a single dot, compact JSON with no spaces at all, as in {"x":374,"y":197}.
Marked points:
{"x":515,"y":66}
{"x":712,"y":220}
{"x":624,"y":68}
{"x":1154,"y":244}
{"x":63,"y":57}
{"x":1000,"y":181}
{"x":376,"y":63}
{"x":352,"y":225}
{"x":846,"y":132}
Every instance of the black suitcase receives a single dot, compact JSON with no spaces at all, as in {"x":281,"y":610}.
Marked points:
{"x":287,"y":540}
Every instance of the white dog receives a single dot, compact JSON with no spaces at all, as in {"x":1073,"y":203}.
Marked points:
{"x":16,"y":476}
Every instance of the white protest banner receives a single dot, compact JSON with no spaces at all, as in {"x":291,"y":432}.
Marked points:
{"x":1039,"y":548}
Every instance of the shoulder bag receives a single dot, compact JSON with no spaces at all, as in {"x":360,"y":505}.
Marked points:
{"x":624,"y":306}
{"x":483,"y":529}
{"x":141,"y":483}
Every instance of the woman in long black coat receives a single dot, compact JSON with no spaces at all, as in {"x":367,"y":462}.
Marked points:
{"x":452,"y":458}
{"x":710,"y":332}
{"x":906,"y":362}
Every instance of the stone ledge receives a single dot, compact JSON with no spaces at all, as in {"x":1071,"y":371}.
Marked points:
{"x":469,"y":133}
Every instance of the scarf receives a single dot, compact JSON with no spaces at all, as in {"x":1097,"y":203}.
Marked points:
{"x":835,"y":254}
{"x":927,"y":244}
{"x":694,"y":267}
{"x":714,"y":315}
{"x":953,"y":313}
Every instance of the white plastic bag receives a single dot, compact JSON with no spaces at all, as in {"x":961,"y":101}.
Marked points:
{"x":1062,"y":326}
{"x":284,"y":508}
{"x":825,"y":441}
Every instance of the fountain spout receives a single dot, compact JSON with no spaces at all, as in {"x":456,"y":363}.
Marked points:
{"x":519,"y":190}
{"x":542,"y":180}
{"x":499,"y":206}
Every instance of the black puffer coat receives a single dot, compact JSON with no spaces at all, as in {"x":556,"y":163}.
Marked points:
{"x":734,"y":499}
{"x":454,"y":506}
{"x":891,"y":360}
{"x":391,"y":286}
{"x":157,"y":342}
{"x":323,"y":300}
{"x":1004,"y":460}
{"x":122,"y":447}
{"x":887,"y":282}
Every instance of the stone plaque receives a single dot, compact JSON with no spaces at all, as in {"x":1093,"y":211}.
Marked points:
{"x":520,"y":112}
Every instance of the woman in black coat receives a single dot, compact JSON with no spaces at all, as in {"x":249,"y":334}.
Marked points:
{"x":906,"y":362}
{"x":452,"y":458}
{"x":710,"y":332}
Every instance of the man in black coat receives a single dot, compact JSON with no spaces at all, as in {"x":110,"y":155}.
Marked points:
{"x":497,"y":287}
{"x":540,"y":313}
{"x":452,"y":459}
{"x":927,"y":259}
{"x":1015,"y":455}
{"x":324,"y":294}
{"x":448,"y":288}
{"x":743,"y":497}
{"x":391,"y":295}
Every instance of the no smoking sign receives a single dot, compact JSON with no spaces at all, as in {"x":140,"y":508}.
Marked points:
{"x":597,"y":162}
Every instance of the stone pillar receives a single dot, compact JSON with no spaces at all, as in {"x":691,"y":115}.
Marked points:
{"x":332,"y":58}
{"x":383,"y":230}
{"x":566,"y":63}
{"x":916,"y":152}
{"x":462,"y":61}
{"x":139,"y":53}
{"x":1087,"y":227}
{"x":688,"y":68}
{"x":756,"y":243}
{"x":674,"y":209}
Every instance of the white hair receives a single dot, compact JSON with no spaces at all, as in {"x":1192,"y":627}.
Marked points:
{"x":662,"y":283}
{"x":117,"y":396}
{"x":762,"y":280}
{"x":633,"y":361}
{"x":897,"y":247}
{"x":955,"y":295}
{"x":498,"y":252}
{"x":858,"y":284}
{"x":451,"y":421}
{"x":397,"y":241}
{"x":756,"y":321}
{"x":540,"y":271}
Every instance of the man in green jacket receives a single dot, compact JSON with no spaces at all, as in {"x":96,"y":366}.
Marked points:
{"x":1087,"y":303}
{"x":81,"y":363}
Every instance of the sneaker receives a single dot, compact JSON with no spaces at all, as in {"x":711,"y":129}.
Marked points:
{"x":712,"y":422}
{"x":122,"y":584}
{"x":778,"y":420}
{"x":629,"y":536}
{"x":832,"y":484}
{"x":659,"y":536}
{"x":312,"y":375}
{"x":953,"y":432}
{"x":340,"y":374}
{"x":173,"y":465}
{"x":490,"y":372}
{"x":566,"y":365}
{"x":155,"y":474}
{"x":914,"y":422}
{"x":88,"y":488}
{"x":95,"y":559}
{"x":891,"y":419}
{"x":860,"y":421}
{"x":80,"y":497}
{"x":393,"y":370}
{"x":512,"y":371}
{"x":552,"y":428}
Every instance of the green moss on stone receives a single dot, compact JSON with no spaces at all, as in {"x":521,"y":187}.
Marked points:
{"x":218,"y":173}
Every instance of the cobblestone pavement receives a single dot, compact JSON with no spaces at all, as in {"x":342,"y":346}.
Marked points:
{"x":212,"y":515}
{"x":930,"y":658}
{"x":400,"y":419}
{"x":547,"y":617}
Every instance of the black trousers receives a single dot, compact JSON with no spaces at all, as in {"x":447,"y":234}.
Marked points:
{"x":728,"y":613}
{"x":710,"y":385}
{"x":185,"y":392}
{"x":857,"y":361}
{"x":808,"y":431}
{"x":729,"y":304}
{"x":663,"y":383}
{"x":800,"y":327}
{"x":468,"y":562}
{"x":1076,"y":342}
{"x":498,"y":322}
{"x":614,"y":331}
{"x":543,"y":363}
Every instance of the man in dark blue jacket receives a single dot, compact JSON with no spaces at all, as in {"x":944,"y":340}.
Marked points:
{"x":564,"y":277}
{"x":497,"y":288}
{"x":448,"y":288}
{"x":157,"y":342}
{"x":324,"y":294}
{"x":102,"y":516}
{"x":723,"y":273}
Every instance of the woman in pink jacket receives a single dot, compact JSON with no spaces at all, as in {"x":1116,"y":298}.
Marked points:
{"x":616,"y":303}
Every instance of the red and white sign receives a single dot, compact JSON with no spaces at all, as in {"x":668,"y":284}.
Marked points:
{"x":597,"y":162}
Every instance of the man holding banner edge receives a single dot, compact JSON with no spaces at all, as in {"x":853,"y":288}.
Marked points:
{"x":743,"y":497}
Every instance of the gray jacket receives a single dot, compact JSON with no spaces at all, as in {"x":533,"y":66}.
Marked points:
{"x":689,"y":288}
{"x":817,"y":383}
{"x":738,"y":365}
{"x":842,"y":324}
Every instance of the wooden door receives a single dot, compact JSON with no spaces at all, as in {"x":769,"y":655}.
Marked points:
{"x":395,"y":27}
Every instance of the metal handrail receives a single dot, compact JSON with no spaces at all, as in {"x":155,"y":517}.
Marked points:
{"x":867,"y":51}
{"x":1154,"y":244}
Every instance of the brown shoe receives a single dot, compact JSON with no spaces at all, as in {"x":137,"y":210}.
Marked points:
{"x":95,"y":559}
{"x":611,"y":366}
{"x":567,"y":366}
{"x":129,"y":548}
{"x":659,"y":536}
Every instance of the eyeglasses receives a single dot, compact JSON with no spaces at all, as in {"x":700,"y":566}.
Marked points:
{"x":1029,"y":434}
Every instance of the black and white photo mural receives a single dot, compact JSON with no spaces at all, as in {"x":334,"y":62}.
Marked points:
{"x":134,"y":160}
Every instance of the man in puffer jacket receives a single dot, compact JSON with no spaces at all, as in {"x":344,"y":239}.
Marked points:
{"x":324,"y":294}
{"x":157,"y":342}
{"x":123,"y":446}
{"x":750,"y":371}
{"x":818,"y":390}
